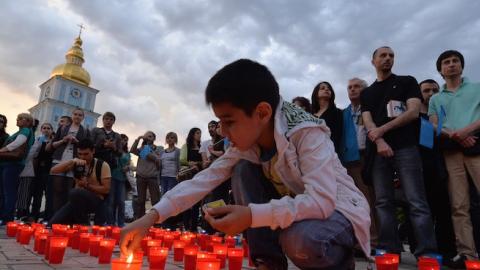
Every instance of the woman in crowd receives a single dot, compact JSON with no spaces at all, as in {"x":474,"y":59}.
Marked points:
{"x":64,"y":148}
{"x":3,"y":133}
{"x":117,"y":188}
{"x":189,"y":156}
{"x":27,"y":177}
{"x":10,"y":169}
{"x":170,"y":165}
{"x":42,"y":173}
{"x":323,"y":106}
{"x":303,"y":103}
{"x":148,"y":165}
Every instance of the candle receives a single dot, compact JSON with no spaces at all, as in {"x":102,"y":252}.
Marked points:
{"x":126,"y":264}
{"x":25,"y":235}
{"x":245,"y":248}
{"x":230,"y":241}
{"x":108,"y":231}
{"x":74,"y":241}
{"x":152,"y":243}
{"x":93,"y":244}
{"x":144,"y":243}
{"x":138,"y":255}
{"x":208,"y":264}
{"x":235,"y":258}
{"x":70,"y":234}
{"x":178,"y":247}
{"x":185,"y":238}
{"x":83,"y":229}
{"x":105,"y":250}
{"x":84,"y":242}
{"x":158,"y":257}
{"x":95,"y":229}
{"x":59,"y":230}
{"x":221,"y":252}
{"x":386,"y":263}
{"x":57,"y":249}
{"x":36,"y":238}
{"x":12,"y":228}
{"x":116,"y":234}
{"x":102,"y":231}
{"x":472,"y":265}
{"x":42,"y":241}
{"x":428,"y":266}
{"x":203,"y":239}
{"x":47,"y":247}
{"x":190,"y":257}
{"x":168,"y":241}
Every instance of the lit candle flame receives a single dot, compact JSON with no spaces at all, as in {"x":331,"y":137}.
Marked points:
{"x":130,"y":258}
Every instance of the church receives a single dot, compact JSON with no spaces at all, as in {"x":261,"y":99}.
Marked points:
{"x":67,"y":88}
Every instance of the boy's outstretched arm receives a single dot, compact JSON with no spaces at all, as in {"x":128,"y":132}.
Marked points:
{"x":132,"y":234}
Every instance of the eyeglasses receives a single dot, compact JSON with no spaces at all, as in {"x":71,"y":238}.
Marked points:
{"x":46,"y":128}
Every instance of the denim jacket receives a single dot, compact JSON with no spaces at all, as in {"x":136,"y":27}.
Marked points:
{"x":308,"y":166}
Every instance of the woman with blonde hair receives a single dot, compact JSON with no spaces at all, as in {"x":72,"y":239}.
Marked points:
{"x":10,"y":167}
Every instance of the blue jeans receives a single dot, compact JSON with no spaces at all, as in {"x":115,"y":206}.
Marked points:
{"x":116,"y":203}
{"x":408,"y":165}
{"x":309,"y":244}
{"x":167,"y":183}
{"x":9,"y":179}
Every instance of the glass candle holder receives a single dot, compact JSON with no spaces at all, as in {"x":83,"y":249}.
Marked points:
{"x":93,"y":244}
{"x":105,"y":250}
{"x":235,"y":258}
{"x":157,"y":258}
{"x":57,"y":247}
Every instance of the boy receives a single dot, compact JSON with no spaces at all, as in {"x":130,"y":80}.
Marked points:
{"x":292,"y":195}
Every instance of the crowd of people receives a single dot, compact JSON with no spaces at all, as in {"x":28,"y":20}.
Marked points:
{"x":407,"y":151}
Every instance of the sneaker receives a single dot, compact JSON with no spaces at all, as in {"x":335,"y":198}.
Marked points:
{"x":457,"y":262}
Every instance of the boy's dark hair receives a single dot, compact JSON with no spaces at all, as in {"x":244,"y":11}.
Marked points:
{"x":244,"y":84}
{"x":428,"y":81}
{"x":213,"y":122}
{"x":109,"y":114}
{"x":447,"y":54}
{"x":86,"y":144}
{"x":4,"y":120}
{"x":304,"y":102}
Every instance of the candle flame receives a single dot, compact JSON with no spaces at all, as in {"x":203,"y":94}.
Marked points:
{"x":130,"y":258}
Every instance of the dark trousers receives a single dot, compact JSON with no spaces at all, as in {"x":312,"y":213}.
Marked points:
{"x":116,"y":203}
{"x":61,"y":186}
{"x":39,"y":188}
{"x":80,"y":203}
{"x":309,"y":244}
{"x":142,"y":185}
{"x":9,"y":180}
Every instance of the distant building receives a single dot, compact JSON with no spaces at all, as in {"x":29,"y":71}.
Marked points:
{"x":66,"y":89}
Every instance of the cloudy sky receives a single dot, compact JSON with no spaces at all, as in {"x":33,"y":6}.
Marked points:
{"x":151,"y":60}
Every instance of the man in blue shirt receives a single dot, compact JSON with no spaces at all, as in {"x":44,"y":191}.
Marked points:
{"x":456,"y":109}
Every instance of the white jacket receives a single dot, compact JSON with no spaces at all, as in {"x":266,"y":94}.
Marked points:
{"x":308,"y":166}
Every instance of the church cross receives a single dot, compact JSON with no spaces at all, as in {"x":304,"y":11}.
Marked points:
{"x":81,"y":28}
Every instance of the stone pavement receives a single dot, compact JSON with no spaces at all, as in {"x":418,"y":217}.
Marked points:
{"x":22,"y":257}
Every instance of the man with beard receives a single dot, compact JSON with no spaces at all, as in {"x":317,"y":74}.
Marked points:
{"x":390,"y":110}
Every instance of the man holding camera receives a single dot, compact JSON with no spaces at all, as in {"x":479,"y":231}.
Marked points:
{"x":92,"y":184}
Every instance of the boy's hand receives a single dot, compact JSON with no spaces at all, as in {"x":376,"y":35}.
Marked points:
{"x":234,"y":218}
{"x":132,"y":234}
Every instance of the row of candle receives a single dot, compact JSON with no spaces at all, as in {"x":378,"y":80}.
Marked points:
{"x":210,"y":253}
{"x":390,"y":262}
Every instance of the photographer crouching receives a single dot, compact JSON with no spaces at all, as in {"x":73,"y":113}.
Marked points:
{"x":92,"y":183}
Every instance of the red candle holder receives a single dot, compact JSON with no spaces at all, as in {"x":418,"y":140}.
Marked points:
{"x":108,"y":231}
{"x":138,"y":255}
{"x":47,"y":247}
{"x":235,"y":258}
{"x":123,"y":264}
{"x":70,"y":234}
{"x":84,"y":242}
{"x":472,"y":265}
{"x":427,"y":265}
{"x":143,"y":244}
{"x":386,"y":262}
{"x":221,"y":252}
{"x":178,"y":248}
{"x":168,"y":241}
{"x":185,"y":238}
{"x":12,"y":228}
{"x":245,"y":248}
{"x":203,"y":241}
{"x":25,"y":235}
{"x":83,"y":229}
{"x":57,"y":249}
{"x":42,"y":242}
{"x":116,"y":234}
{"x":157,"y":258}
{"x":230,"y":241}
{"x":208,"y":264}
{"x":190,"y":257}
{"x":152,"y":243}
{"x":74,"y":241}
{"x":102,"y":231}
{"x":36,"y":238}
{"x":105,"y":250}
{"x":59,"y":230}
{"x":95,"y":229}
{"x":93,"y":244}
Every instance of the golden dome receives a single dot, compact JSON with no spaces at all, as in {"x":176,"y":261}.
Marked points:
{"x":73,"y":69}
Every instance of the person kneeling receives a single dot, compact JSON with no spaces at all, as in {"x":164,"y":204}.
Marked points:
{"x":92,"y":185}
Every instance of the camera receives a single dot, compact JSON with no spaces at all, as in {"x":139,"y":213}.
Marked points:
{"x":79,"y":171}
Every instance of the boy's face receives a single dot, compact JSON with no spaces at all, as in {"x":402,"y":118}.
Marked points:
{"x":108,"y":122}
{"x":242,"y":130}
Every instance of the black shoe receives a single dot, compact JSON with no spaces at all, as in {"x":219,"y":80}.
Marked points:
{"x":457,"y":262}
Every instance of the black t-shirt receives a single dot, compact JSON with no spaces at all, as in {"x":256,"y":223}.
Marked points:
{"x":374,"y":99}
